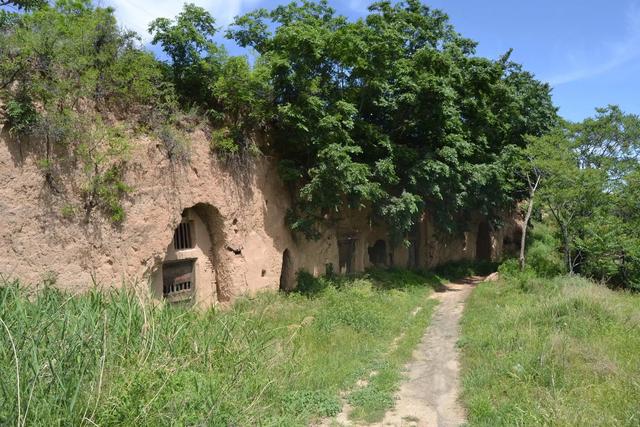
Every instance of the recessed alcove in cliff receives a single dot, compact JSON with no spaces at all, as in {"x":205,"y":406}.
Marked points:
{"x":287,"y":274}
{"x":378,"y":253}
{"x":346,"y":253}
{"x":191,"y":270}
{"x":511,"y":241}
{"x":483,"y":242}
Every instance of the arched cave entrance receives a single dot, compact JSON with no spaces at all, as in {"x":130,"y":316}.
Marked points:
{"x":378,"y":253}
{"x":287,"y":274}
{"x":346,"y":253}
{"x":192,"y":270}
{"x":511,"y":241}
{"x":483,"y":242}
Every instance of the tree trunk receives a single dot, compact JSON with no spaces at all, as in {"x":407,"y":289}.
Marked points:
{"x":523,"y":239}
{"x":564,"y":229}
{"x":565,"y":248}
{"x":527,"y":217}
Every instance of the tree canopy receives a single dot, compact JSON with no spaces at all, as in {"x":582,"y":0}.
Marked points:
{"x":589,"y":188}
{"x":393,"y":112}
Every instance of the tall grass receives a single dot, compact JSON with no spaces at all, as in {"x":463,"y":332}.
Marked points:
{"x":110,"y":359}
{"x":561,"y":351}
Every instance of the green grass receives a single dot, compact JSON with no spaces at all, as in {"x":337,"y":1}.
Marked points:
{"x":370,"y":403}
{"x":561,"y":351}
{"x":275,"y":359}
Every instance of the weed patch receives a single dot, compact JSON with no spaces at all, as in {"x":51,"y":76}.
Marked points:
{"x":273,"y":359}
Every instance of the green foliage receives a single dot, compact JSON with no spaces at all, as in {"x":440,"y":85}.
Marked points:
{"x":64,"y":69}
{"x":530,"y":352}
{"x":103,"y":155}
{"x":543,"y":254}
{"x":195,"y":59}
{"x":312,"y":402}
{"x":400,"y":212}
{"x":176,"y":144}
{"x":108,"y":358}
{"x":235,"y":96}
{"x":68,"y":211}
{"x":361,"y":114}
{"x":383,"y":279}
{"x":245,"y":95}
{"x":589,"y":176}
{"x":59,"y":57}
{"x":21,"y":117}
{"x":224,"y":144}
{"x":390,"y":111}
{"x":24,"y":4}
{"x":105,"y":191}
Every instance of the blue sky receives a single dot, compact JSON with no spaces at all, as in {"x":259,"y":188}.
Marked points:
{"x":588,"y":50}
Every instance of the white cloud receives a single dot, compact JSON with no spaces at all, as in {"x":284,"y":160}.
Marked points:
{"x":137,"y":14}
{"x":610,"y":56}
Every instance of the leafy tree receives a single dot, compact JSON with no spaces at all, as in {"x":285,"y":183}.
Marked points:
{"x":562,"y":190}
{"x":533,"y":176}
{"x":24,"y":4}
{"x":196,"y":60}
{"x":393,"y":112}
{"x":589,"y":186}
{"x":401,"y":103}
{"x":245,"y":98}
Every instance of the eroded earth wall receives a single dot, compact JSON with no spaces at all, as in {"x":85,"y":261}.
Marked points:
{"x":237,"y":232}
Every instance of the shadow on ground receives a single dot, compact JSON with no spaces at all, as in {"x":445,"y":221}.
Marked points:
{"x":399,"y":279}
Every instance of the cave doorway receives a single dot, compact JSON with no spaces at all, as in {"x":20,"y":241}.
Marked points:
{"x":483,"y":242}
{"x":346,"y":254}
{"x":378,"y":253}
{"x":413,"y":260}
{"x":193,"y":270}
{"x":511,"y":241}
{"x":287,"y":274}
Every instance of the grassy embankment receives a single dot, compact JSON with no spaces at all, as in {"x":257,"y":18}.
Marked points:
{"x":560,"y":351}
{"x":271,"y":360}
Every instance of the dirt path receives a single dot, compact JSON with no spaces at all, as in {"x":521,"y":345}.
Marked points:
{"x":429,"y":396}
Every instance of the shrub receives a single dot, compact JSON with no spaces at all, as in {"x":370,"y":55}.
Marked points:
{"x":21,"y":116}
{"x":175,"y":143}
{"x":525,"y":280}
{"x":223,"y":144}
{"x":543,"y":255}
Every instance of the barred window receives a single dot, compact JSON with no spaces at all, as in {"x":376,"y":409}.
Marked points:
{"x":182,"y":237}
{"x":178,"y":280}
